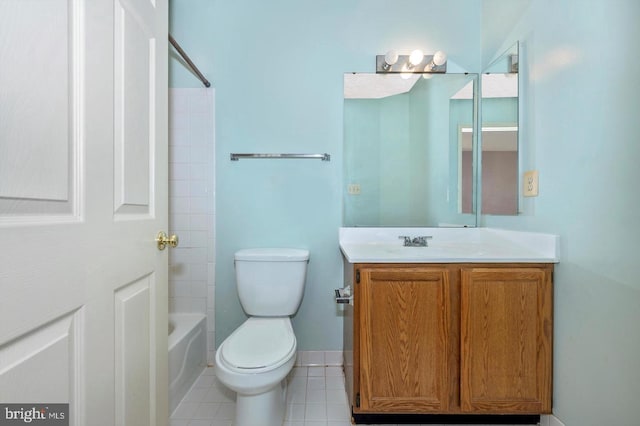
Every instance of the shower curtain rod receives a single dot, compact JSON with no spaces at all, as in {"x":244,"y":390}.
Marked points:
{"x":184,"y":55}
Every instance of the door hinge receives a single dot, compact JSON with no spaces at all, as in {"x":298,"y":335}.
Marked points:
{"x":357,"y":276}
{"x":358,"y":400}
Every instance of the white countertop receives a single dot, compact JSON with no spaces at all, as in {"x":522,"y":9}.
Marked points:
{"x":448,"y":245}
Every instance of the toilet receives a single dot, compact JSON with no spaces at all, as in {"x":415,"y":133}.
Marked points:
{"x":256,"y":358}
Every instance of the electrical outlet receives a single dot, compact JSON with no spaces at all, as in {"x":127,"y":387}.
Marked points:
{"x":530,"y":183}
{"x":353,"y":189}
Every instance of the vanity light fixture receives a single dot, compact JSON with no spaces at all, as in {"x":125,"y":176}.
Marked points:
{"x":415,"y":63}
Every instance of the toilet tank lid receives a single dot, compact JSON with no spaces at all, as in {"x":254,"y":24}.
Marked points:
{"x":272,"y":254}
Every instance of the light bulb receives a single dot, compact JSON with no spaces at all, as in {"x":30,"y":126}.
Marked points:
{"x":391,"y":57}
{"x":416,"y":57}
{"x":439,"y":58}
{"x":405,"y":72}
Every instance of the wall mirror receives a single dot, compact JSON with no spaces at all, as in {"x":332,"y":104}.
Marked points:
{"x":403,"y":160}
{"x":500,"y":159}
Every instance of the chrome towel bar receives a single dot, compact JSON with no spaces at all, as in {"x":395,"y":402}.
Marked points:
{"x":323,"y":157}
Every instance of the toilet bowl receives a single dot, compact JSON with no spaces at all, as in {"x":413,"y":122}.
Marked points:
{"x":257,"y":355}
{"x":256,"y":358}
{"x":254,"y":362}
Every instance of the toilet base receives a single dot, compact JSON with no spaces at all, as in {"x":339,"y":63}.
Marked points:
{"x":265,"y":409}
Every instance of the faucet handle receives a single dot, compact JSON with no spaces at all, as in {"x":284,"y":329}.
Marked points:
{"x":407,"y":240}
{"x":422,"y":240}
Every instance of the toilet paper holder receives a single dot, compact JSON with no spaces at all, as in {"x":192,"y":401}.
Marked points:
{"x":343,"y":295}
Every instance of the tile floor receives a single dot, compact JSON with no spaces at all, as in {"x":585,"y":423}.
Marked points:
{"x":316,"y":397}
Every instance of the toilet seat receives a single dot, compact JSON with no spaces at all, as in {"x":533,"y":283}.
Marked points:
{"x":259,"y":345}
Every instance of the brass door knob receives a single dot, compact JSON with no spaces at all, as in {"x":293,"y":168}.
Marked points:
{"x":163,"y":240}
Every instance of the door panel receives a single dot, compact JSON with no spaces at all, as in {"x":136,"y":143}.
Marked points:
{"x":49,"y":357}
{"x":134,"y":360}
{"x":83,"y":145}
{"x":135,"y":76}
{"x":41,"y":308}
{"x":39,"y":91}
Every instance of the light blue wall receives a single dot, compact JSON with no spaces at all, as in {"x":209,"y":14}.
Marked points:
{"x":580,"y":129}
{"x":362,"y":147}
{"x":377,"y":144}
{"x":277,"y":67}
{"x":395,"y":151}
{"x":384,"y":152}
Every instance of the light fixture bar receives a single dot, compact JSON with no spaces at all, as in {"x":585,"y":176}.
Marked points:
{"x":400,"y":66}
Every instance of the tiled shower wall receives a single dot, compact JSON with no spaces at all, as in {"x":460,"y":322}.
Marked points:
{"x":191,"y":205}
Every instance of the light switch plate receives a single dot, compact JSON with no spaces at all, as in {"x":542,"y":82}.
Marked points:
{"x":530,"y":183}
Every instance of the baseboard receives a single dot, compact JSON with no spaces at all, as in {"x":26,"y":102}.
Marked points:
{"x":319,"y":358}
{"x":550,"y":420}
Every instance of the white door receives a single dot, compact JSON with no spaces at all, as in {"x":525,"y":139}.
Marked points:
{"x":83,"y":193}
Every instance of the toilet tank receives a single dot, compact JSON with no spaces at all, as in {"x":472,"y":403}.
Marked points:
{"x":270,"y":281}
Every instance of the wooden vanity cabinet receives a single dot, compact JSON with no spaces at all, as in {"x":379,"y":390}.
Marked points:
{"x":451,"y":338}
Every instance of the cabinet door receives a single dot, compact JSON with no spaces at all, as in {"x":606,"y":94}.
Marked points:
{"x":506,"y":338}
{"x":403,"y":339}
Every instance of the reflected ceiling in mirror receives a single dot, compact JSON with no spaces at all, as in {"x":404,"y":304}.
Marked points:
{"x":402,"y":159}
{"x":376,"y":86}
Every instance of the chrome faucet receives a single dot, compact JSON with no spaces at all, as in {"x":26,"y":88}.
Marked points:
{"x":416,"y":242}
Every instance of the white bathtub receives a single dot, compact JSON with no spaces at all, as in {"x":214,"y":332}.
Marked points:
{"x":187,"y":354}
